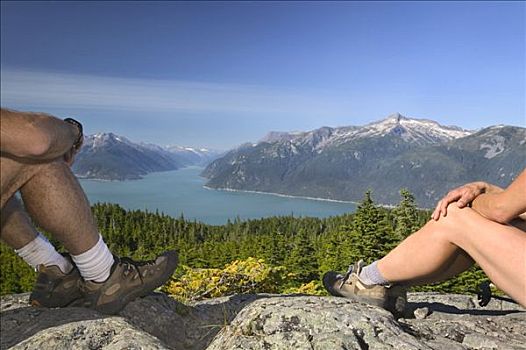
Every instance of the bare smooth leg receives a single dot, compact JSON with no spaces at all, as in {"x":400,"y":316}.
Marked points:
{"x":459,"y":262}
{"x":434,"y":252}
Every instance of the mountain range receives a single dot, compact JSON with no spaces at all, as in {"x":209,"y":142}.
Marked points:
{"x":397,"y":152}
{"x":111,"y":157}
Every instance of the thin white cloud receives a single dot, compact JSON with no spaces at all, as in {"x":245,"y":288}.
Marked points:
{"x":52,"y":90}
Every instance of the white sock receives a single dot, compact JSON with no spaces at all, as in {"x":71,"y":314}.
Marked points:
{"x":370,"y":275}
{"x":95,"y":263}
{"x":40,"y":252}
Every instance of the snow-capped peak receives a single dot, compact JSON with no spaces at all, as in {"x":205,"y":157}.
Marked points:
{"x":421,"y":131}
{"x":102,"y":139}
{"x":189,"y":150}
{"x":412,"y":129}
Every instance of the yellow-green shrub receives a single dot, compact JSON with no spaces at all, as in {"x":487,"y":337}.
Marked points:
{"x":240,"y":276}
{"x":311,"y":288}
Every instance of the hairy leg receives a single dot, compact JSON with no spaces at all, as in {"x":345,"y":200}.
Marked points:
{"x":15,"y":173}
{"x":17,"y":229}
{"x":54,"y":200}
{"x":433,"y":252}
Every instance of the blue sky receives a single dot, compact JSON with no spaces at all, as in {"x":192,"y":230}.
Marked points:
{"x":217,"y":74}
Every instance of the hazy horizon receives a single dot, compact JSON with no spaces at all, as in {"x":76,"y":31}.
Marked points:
{"x":219,"y":74}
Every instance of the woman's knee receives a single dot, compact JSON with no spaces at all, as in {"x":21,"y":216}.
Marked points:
{"x":460,"y":225}
{"x":449,"y":226}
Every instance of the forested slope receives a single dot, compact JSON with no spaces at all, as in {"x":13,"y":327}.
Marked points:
{"x":277,"y":254}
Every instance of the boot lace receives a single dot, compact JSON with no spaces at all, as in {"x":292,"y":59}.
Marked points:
{"x":132,"y":266}
{"x":346,"y":276}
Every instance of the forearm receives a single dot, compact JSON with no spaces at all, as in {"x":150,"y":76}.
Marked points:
{"x":495,"y":203}
{"x":503,"y":206}
{"x":492,"y":189}
{"x":484,"y":205}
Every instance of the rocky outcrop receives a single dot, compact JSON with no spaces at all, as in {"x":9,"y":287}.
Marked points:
{"x":434,"y":321}
{"x":444,"y":322}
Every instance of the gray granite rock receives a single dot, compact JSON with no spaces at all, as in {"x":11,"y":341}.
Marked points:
{"x":159,"y":317}
{"x":446,"y":322}
{"x":267,"y":322}
{"x":30,"y":328}
{"x":307,"y":322}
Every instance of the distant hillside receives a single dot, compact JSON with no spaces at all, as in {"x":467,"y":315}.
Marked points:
{"x":111,"y":157}
{"x":397,"y":152}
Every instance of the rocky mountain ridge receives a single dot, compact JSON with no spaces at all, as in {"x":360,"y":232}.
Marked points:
{"x":433,"y":321}
{"x":112,"y":157}
{"x":397,"y":152}
{"x":420,"y":131}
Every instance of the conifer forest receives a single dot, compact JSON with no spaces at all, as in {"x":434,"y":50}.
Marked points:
{"x":270,"y":255}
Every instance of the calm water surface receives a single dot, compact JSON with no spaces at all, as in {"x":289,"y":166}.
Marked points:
{"x":182,"y":192}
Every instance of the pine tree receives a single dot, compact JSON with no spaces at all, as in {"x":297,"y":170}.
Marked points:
{"x":406,"y":215}
{"x":368,"y":236}
{"x":302,"y":261}
{"x":330,"y":252}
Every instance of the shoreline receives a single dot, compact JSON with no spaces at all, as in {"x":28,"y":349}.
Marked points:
{"x":388,"y":206}
{"x":280,"y":195}
{"x":141,"y":177}
{"x":103,"y":180}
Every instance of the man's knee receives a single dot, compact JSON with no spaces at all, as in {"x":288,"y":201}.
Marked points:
{"x":54,"y":165}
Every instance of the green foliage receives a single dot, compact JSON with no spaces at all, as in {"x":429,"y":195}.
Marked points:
{"x":367,"y":236}
{"x":274,"y":255}
{"x":406,"y":215}
{"x":302,"y":258}
{"x":15,"y":275}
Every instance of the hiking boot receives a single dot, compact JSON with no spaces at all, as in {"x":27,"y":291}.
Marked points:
{"x":392,"y":298}
{"x":55,"y":288}
{"x":128,"y":280}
